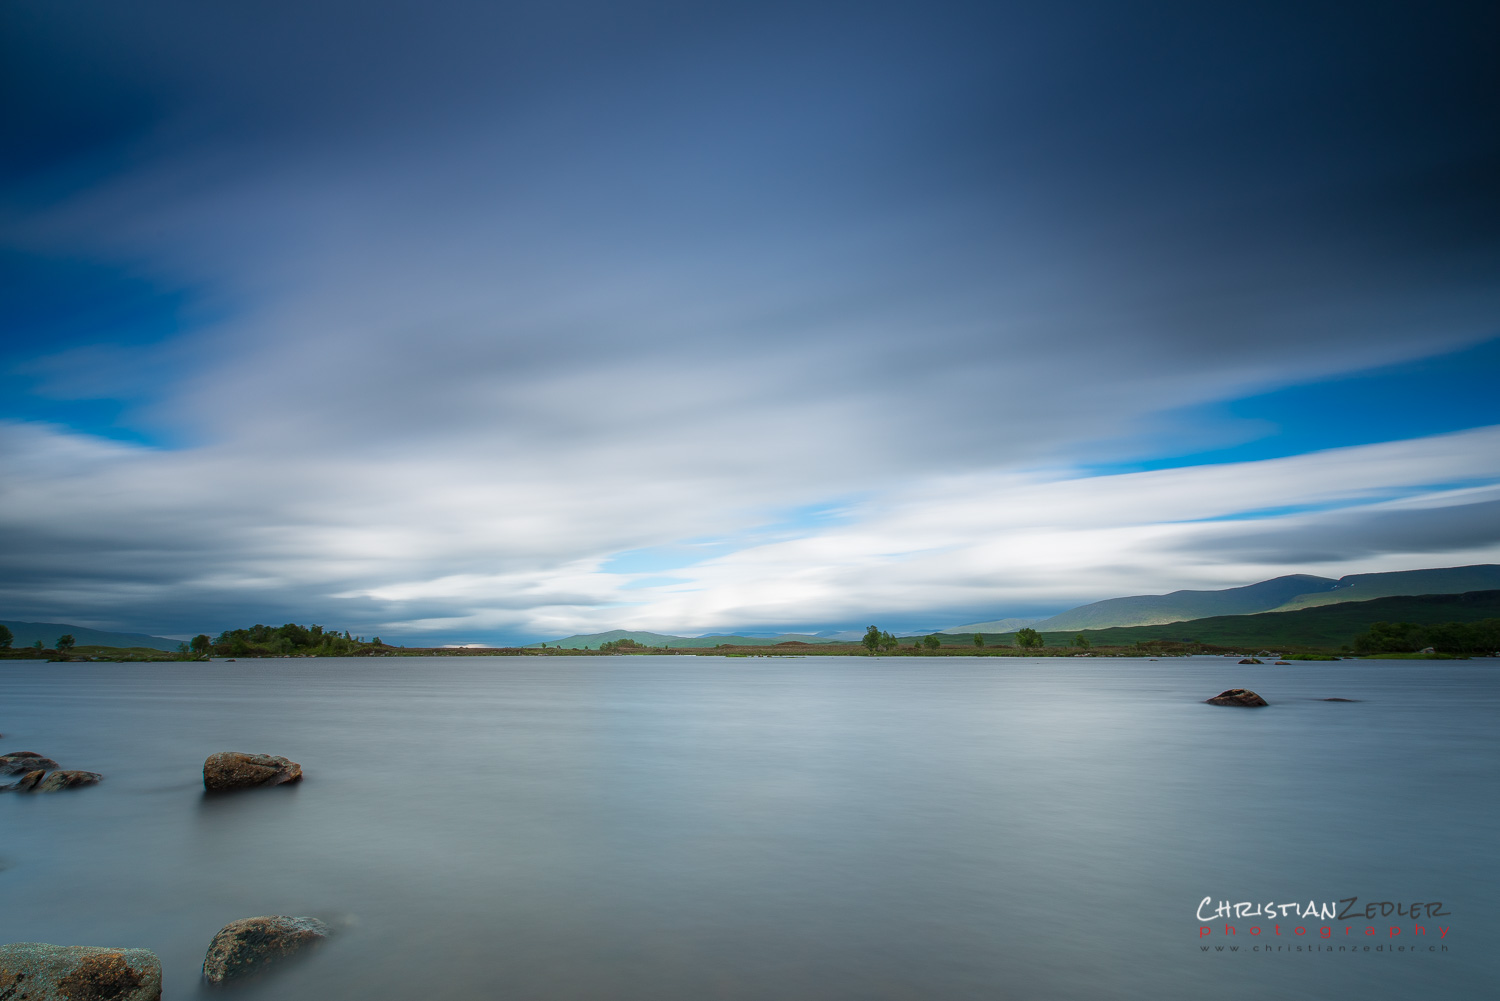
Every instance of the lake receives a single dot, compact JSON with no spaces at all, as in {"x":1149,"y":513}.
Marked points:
{"x":697,"y":827}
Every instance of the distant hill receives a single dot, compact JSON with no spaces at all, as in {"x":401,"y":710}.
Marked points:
{"x":1364,"y":586}
{"x":1278,"y":594}
{"x":1328,"y":626}
{"x":997,"y":626}
{"x":27,"y":633}
{"x":1150,"y":609}
{"x":593,"y":640}
{"x":1289,"y":593}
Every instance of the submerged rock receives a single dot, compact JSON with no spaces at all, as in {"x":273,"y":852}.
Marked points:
{"x":42,"y":781}
{"x":39,"y":972}
{"x":1249,"y":660}
{"x":238,"y":770}
{"x":249,"y":945}
{"x":1340,"y":700}
{"x":1236,"y":697}
{"x":24,"y":761}
{"x":67,"y":779}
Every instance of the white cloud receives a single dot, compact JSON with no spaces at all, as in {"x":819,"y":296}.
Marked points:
{"x":391,"y":547}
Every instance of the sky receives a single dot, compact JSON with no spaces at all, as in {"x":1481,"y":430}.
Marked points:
{"x":457,"y":322}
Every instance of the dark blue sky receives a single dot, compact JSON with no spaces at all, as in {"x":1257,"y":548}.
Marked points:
{"x":465,"y":321}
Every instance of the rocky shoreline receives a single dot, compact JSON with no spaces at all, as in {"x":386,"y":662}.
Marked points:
{"x":242,"y":949}
{"x":42,"y":774}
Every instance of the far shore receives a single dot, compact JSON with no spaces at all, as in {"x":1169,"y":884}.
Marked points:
{"x":793,"y":649}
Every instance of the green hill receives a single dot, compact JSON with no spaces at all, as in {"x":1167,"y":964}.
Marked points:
{"x":996,"y":626}
{"x":1149,"y":609}
{"x":27,"y":633}
{"x":1326,"y":627}
{"x":1364,"y":586}
{"x":1280,"y":594}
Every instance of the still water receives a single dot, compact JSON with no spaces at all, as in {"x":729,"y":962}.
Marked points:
{"x":695,"y":827}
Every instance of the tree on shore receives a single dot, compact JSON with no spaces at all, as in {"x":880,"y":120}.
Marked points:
{"x":65,"y":643}
{"x":6,"y":638}
{"x":1029,"y":639}
{"x":877,"y":640}
{"x":931,"y":641}
{"x":201,"y":644}
{"x":1445,"y":637}
{"x":978,"y":640}
{"x":288,"y":640}
{"x":1082,"y":642}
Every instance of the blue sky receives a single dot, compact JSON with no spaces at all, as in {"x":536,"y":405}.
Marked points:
{"x":498,"y":322}
{"x":1453,"y":391}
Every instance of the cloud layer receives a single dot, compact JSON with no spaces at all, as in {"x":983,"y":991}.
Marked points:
{"x":414,"y":317}
{"x":182,"y":537}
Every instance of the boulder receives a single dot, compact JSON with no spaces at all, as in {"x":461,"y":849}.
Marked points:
{"x":1236,"y":697}
{"x":39,"y":972}
{"x":28,"y":782}
{"x":249,"y":945}
{"x":58,"y":781}
{"x":1249,"y":660}
{"x":24,"y":761}
{"x":238,"y":770}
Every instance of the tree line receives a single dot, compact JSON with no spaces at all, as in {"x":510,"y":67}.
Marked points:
{"x":283,"y":641}
{"x":1446,"y":637}
{"x":877,"y":641}
{"x":65,"y":642}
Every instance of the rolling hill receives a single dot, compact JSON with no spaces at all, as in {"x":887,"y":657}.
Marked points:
{"x":997,"y":626}
{"x":27,"y":633}
{"x":1364,"y":586}
{"x":1327,"y":626}
{"x":1278,"y":594}
{"x":1150,"y":609}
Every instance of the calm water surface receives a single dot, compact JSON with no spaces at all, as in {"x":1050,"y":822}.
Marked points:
{"x":693,"y":828}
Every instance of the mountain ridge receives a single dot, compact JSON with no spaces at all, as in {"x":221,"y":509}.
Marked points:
{"x":1278,"y":594}
{"x":1324,"y":626}
{"x":1402,"y":583}
{"x":1180,"y":606}
{"x":27,"y":633}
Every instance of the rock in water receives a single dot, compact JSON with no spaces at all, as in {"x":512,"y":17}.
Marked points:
{"x":39,"y":972}
{"x":28,"y":782}
{"x":249,"y":945}
{"x":1237,"y":697}
{"x":237,"y":770}
{"x":24,"y":761}
{"x":57,"y":781}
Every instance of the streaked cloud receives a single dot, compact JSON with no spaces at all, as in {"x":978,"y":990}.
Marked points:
{"x":477,"y":321}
